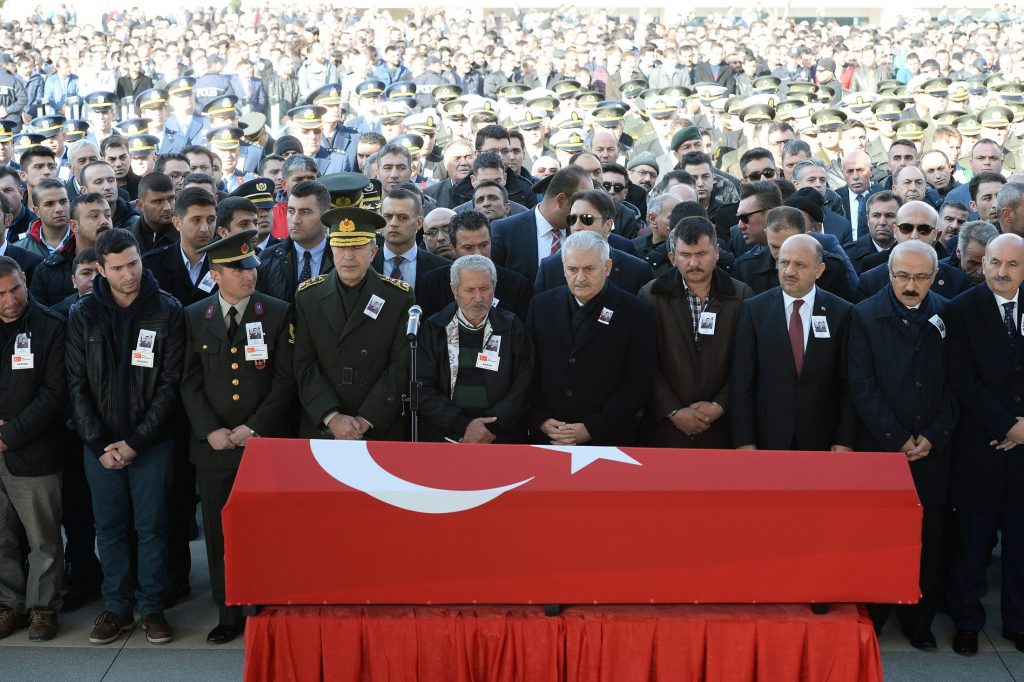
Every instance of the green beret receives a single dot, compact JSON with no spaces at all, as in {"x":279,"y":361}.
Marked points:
{"x":685,"y":135}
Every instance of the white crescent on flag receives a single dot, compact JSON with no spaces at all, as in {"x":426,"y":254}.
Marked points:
{"x":351,"y":463}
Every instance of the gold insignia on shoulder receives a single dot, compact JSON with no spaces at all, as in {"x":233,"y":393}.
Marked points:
{"x":404,"y":286}
{"x":310,"y":282}
{"x":291,"y":333}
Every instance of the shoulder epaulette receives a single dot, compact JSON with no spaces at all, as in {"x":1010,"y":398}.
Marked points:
{"x":404,"y":286}
{"x":310,"y":282}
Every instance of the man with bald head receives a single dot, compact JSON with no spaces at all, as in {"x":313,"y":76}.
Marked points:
{"x":897,"y":372}
{"x":856,"y":167}
{"x":604,"y":146}
{"x":918,"y":221}
{"x":986,"y":371}
{"x":435,"y":232}
{"x":788,"y":384}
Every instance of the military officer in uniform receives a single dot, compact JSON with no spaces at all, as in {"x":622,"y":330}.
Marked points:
{"x":237,"y":384}
{"x":351,"y":349}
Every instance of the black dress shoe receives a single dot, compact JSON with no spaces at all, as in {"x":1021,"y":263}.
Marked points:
{"x":965,"y":642}
{"x":925,"y":641}
{"x":222,"y":634}
{"x":78,"y":596}
{"x":1017,"y":638}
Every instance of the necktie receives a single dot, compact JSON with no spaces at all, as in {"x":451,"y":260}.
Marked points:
{"x":307,"y":267}
{"x":232,"y":322}
{"x":862,"y":215}
{"x":1011,"y":324}
{"x":796,"y":335}
{"x":556,"y":241}
{"x":396,"y":267}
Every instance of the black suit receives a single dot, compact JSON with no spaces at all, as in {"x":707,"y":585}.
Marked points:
{"x":629,"y":273}
{"x":860,"y":250}
{"x":837,"y":226}
{"x":601,"y":376}
{"x":514,"y":243}
{"x":986,"y":371}
{"x":758,"y":269}
{"x":512,"y":291}
{"x":278,"y":276}
{"x":425,"y":262}
{"x":26,"y":259}
{"x":844,"y":196}
{"x":897,"y":369}
{"x":773,"y":407}
{"x":873,"y":260}
{"x":726,"y":76}
{"x":949,"y":282}
{"x":168,"y":267}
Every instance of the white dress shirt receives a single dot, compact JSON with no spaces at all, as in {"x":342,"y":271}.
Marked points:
{"x":545,"y":235}
{"x":805,"y":310}
{"x":407,"y":266}
{"x":1002,"y":311}
{"x":316,"y":258}
{"x":193,"y":270}
{"x":853,"y":211}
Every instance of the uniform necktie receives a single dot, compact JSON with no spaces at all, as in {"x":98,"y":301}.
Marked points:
{"x":796,"y":335}
{"x":396,"y":267}
{"x":862,"y":215}
{"x":556,"y":241}
{"x":307,"y":267}
{"x":1011,"y":324}
{"x":232,"y":322}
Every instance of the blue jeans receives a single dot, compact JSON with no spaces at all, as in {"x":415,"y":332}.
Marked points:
{"x":120,"y":497}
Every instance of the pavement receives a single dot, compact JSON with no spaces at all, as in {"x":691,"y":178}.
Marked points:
{"x":132,"y":659}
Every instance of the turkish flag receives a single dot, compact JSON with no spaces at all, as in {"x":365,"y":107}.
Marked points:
{"x":355,"y":522}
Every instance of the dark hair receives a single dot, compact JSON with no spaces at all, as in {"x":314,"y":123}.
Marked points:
{"x":680,"y":176}
{"x":83,"y":256}
{"x":9,"y":266}
{"x":884,"y":196}
{"x":490,"y":132}
{"x":156,"y":182}
{"x":113,"y":141}
{"x":754,"y":154}
{"x":984,"y":176}
{"x":92,"y":164}
{"x":517,"y":135}
{"x":566,"y":181}
{"x":227,"y":209}
{"x":766,"y":192}
{"x":8,"y":172}
{"x":785,"y":217}
{"x":268,"y":157}
{"x":616,"y":168}
{"x":163,"y":159}
{"x":196,"y":179}
{"x":5,"y":205}
{"x":115,"y":240}
{"x":47,"y":183}
{"x":312,"y":188}
{"x":686,"y":209}
{"x":87,"y":198}
{"x":406,"y":195}
{"x":491,"y":183}
{"x":36,"y":151}
{"x":690,"y":229}
{"x":372,"y":138}
{"x":189,"y":197}
{"x":958,"y":205}
{"x":488,"y":160}
{"x":902,"y":143}
{"x":467,"y":221}
{"x":785,"y":186}
{"x":850,"y":124}
{"x":197,"y":149}
{"x":696,"y":159}
{"x":599,"y":200}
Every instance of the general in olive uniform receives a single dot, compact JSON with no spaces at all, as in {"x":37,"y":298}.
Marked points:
{"x":237,"y":384}
{"x":351,"y":350}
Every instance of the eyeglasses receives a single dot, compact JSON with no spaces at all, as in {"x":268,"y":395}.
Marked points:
{"x":904,"y":277}
{"x":908,"y":228}
{"x":766,"y":173}
{"x":614,"y":187}
{"x":745,"y":217}
{"x":587,"y":219}
{"x":434,"y":231}
{"x":644,"y":173}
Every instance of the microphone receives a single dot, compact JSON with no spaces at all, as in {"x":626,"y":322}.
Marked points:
{"x":412,"y":328}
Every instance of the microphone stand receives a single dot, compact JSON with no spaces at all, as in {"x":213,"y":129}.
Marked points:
{"x":411,"y":400}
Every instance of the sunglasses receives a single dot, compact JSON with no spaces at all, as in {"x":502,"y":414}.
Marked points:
{"x":757,"y":175}
{"x":587,"y":219}
{"x":745,"y":217}
{"x":908,"y":228}
{"x":614,"y":187}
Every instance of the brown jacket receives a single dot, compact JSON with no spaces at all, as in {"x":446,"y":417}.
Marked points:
{"x":686,"y":375}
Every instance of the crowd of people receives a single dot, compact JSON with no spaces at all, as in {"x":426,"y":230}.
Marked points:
{"x":732,"y":232}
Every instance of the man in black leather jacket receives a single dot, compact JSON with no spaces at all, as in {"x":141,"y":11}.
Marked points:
{"x":124,"y":356}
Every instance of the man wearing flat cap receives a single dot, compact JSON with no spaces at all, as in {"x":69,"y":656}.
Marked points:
{"x":351,"y":349}
{"x":237,"y":384}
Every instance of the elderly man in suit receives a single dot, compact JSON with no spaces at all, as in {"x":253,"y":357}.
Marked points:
{"x":788,"y":383}
{"x":594,"y":210}
{"x":596,"y":370}
{"x":986,"y":371}
{"x":522,"y":241}
{"x":696,"y":305}
{"x":897,"y":372}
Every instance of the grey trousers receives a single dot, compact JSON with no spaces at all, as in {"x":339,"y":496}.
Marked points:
{"x":36,"y":502}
